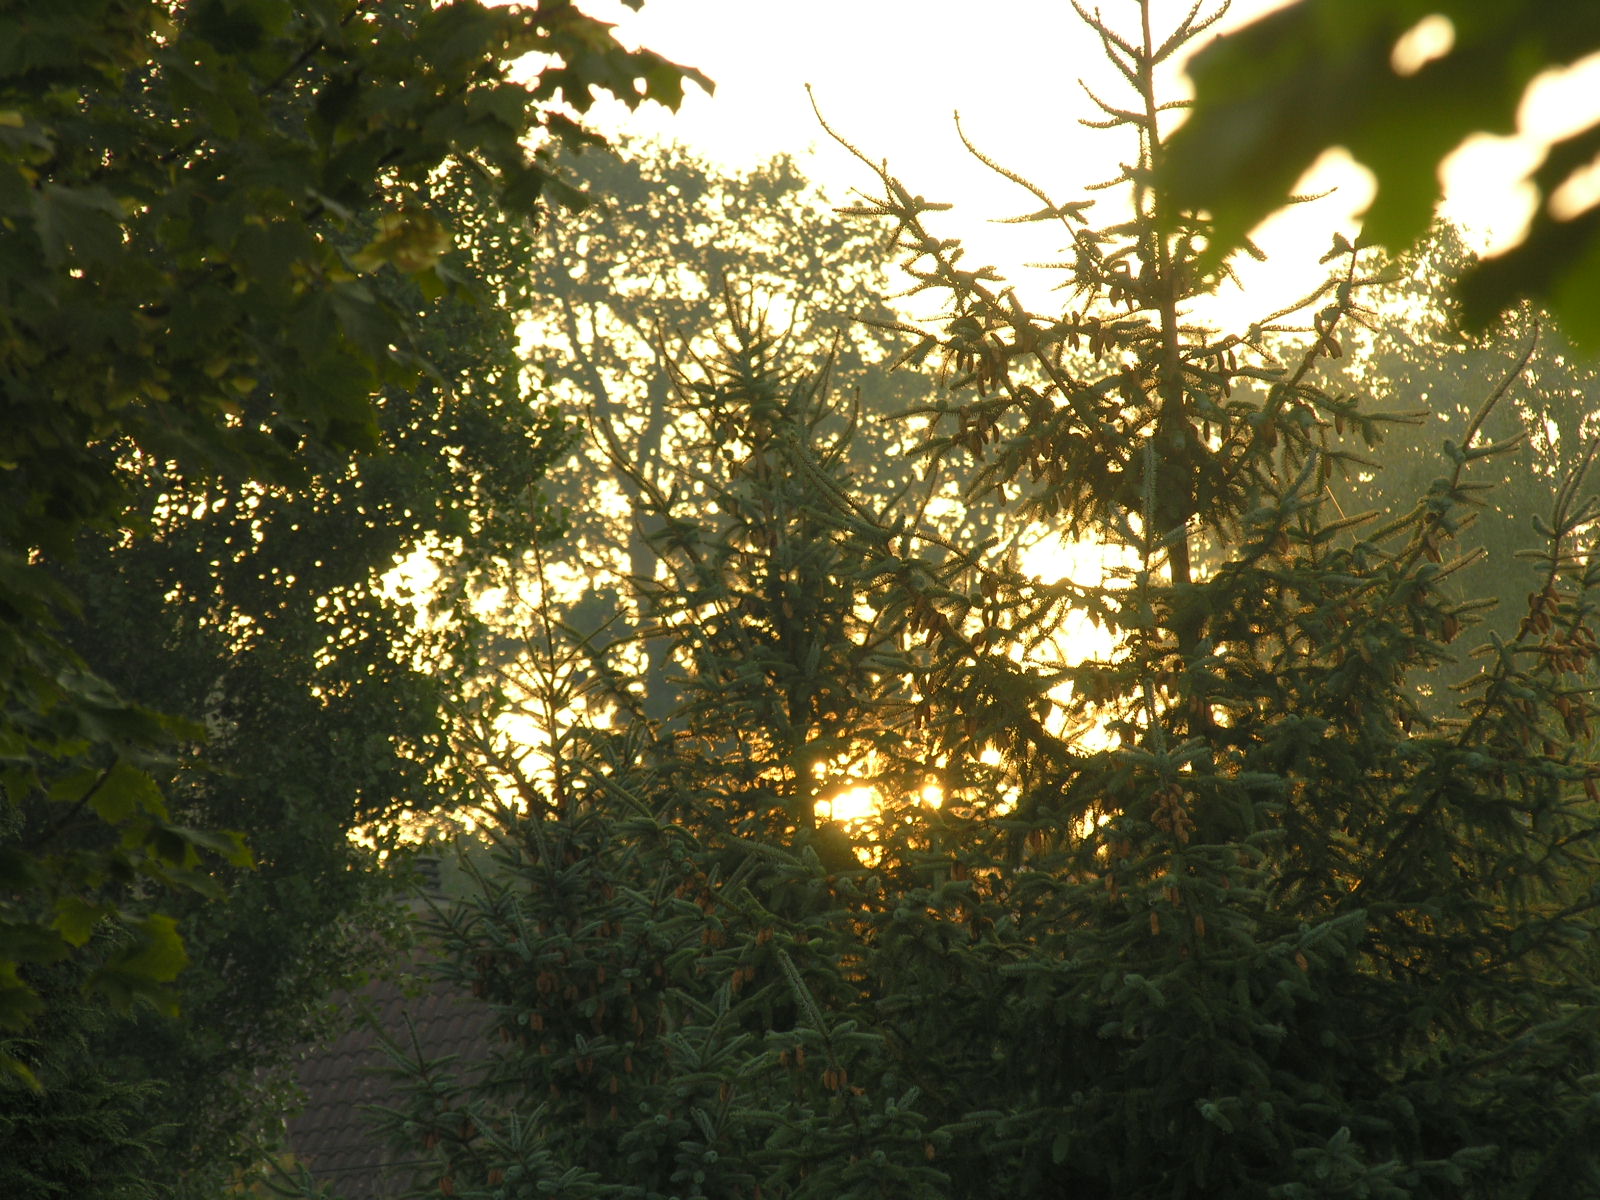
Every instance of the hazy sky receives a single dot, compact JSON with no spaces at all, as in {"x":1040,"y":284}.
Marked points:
{"x":888,"y":74}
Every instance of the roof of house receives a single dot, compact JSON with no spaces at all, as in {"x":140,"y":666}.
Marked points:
{"x":334,"y":1136}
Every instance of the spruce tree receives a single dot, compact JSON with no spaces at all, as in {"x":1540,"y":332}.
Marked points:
{"x":1221,"y":909}
{"x":672,"y":934}
{"x":1289,"y":934}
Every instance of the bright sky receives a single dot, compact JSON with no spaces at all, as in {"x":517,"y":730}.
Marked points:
{"x":888,"y":74}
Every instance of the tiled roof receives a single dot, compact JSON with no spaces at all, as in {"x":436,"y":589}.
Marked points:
{"x":334,"y":1136}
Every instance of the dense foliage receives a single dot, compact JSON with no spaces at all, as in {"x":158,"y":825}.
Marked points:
{"x":638,"y":279}
{"x":271,"y":615}
{"x":82,"y":1131}
{"x":257,"y":349}
{"x":615,"y":294}
{"x":1222,"y":898}
{"x":192,"y":201}
{"x":1413,"y":352}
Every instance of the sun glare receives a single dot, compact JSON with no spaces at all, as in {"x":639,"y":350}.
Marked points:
{"x":1051,"y":559}
{"x":1487,"y":191}
{"x":1486,"y":181}
{"x":1428,"y":40}
{"x":850,"y":804}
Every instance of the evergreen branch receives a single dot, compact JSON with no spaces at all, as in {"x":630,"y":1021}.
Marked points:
{"x":808,"y":1004}
{"x":1188,"y":29}
{"x":1051,"y":208}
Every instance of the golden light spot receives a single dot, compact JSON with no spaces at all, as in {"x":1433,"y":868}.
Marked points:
{"x":1487,"y":190}
{"x":1429,"y":40}
{"x":1561,"y":101}
{"x":1577,"y":195}
{"x":849,"y":804}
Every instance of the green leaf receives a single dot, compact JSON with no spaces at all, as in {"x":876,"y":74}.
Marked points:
{"x":408,"y":241}
{"x":160,"y":955}
{"x":664,"y":84}
{"x":154,"y":955}
{"x":1271,"y":96}
{"x":76,"y":918}
{"x":25,"y":941}
{"x":81,"y":225}
{"x":227,"y":844}
{"x":125,"y":793}
{"x":15,"y":1067}
{"x":522,"y":186}
{"x":19,"y":1003}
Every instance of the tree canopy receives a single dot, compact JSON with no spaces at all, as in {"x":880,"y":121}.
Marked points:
{"x":1180,"y":883}
{"x":274,"y":616}
{"x":616,"y":292}
{"x":1257,"y":863}
{"x":196,"y":203}
{"x":1271,"y":96}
